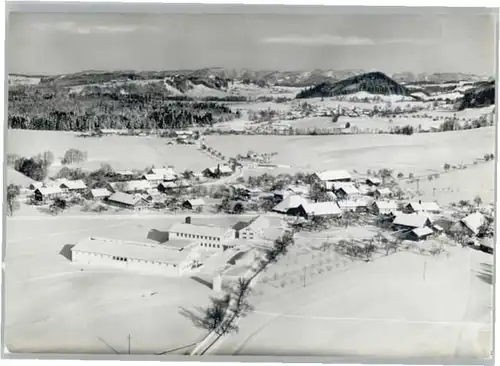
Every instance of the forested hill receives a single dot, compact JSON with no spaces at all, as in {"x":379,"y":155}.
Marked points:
{"x":480,"y":96}
{"x":53,"y":108}
{"x":373,"y":82}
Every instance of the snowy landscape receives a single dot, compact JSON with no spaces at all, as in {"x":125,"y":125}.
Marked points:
{"x":216,"y":211}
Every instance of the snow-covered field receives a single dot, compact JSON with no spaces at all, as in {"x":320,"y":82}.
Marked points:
{"x":417,"y":154}
{"x":51,"y":305}
{"x":403,"y":305}
{"x":121,"y":152}
{"x":456,"y":185}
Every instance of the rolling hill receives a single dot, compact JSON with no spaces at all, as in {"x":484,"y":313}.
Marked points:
{"x":373,"y":83}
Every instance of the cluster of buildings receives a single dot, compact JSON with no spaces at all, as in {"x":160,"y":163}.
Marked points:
{"x":129,"y":193}
{"x":185,"y":247}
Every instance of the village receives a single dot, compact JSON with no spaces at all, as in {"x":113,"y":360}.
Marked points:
{"x":319,"y":202}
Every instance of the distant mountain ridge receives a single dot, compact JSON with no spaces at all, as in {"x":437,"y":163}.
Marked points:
{"x":372,"y":82}
{"x":259,"y":77}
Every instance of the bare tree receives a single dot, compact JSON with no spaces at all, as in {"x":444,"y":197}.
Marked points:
{"x":13,"y":191}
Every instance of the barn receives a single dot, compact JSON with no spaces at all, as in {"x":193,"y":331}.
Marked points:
{"x":133,"y":256}
{"x":73,"y":186}
{"x":332,"y":176}
{"x":290,"y":205}
{"x":124,"y":200}
{"x":382,"y":193}
{"x":410,"y":221}
{"x":99,"y":193}
{"x":385,"y":207}
{"x":420,"y":233}
{"x":47,"y":193}
{"x":193,"y":203}
{"x":422,"y":207}
{"x":321,"y":209}
{"x":153,"y":179}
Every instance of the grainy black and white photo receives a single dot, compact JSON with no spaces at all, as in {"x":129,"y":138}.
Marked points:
{"x":258,"y":181}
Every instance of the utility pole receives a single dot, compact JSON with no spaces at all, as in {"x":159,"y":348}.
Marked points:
{"x":129,"y":344}
{"x":305,"y":269}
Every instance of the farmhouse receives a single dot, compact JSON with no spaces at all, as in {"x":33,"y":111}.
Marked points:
{"x":473,"y":222}
{"x":321,"y":209}
{"x":209,"y":237}
{"x":332,"y":176}
{"x":132,"y":256}
{"x":76,"y":186}
{"x":99,"y":193}
{"x":132,"y":186}
{"x":253,"y":229}
{"x":420,"y":233}
{"x":353,"y":205}
{"x":385,"y":207}
{"x":373,"y":182}
{"x":410,"y":221}
{"x":47,"y":193}
{"x":193,"y":203}
{"x":345,"y":190}
{"x":129,"y":201}
{"x":422,"y":207}
{"x":153,"y":179}
{"x":290,"y":205}
{"x":167,"y":174}
{"x":382,"y":193}
{"x":167,"y":187}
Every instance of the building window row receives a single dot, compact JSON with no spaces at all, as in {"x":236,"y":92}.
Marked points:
{"x":210,"y":245}
{"x":121,"y":259}
{"x":194,"y":236}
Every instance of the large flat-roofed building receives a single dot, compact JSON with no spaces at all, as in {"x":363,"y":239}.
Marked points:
{"x":143,"y":257}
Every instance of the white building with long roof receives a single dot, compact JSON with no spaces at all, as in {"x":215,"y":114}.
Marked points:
{"x":143,"y":257}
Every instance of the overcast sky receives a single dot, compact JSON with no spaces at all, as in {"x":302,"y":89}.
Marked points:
{"x":425,"y":41}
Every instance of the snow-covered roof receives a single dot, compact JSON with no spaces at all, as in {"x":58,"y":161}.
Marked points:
{"x":410,"y":220}
{"x":332,"y":175}
{"x":386,"y":205}
{"x":422,"y":231}
{"x":292,"y":201}
{"x":474,"y":221}
{"x":322,"y":208}
{"x":168,"y":185}
{"x":196,"y":202}
{"x":49,"y":190}
{"x":384,"y":191}
{"x":125,"y":198}
{"x":100,"y":192}
{"x":348,"y":204}
{"x":150,"y":177}
{"x":74,"y":184}
{"x":425,"y":206}
{"x":119,"y":248}
{"x":132,"y":185}
{"x":348,"y":188}
{"x":166,"y":173}
{"x":203,"y":230}
{"x":374,"y":180}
